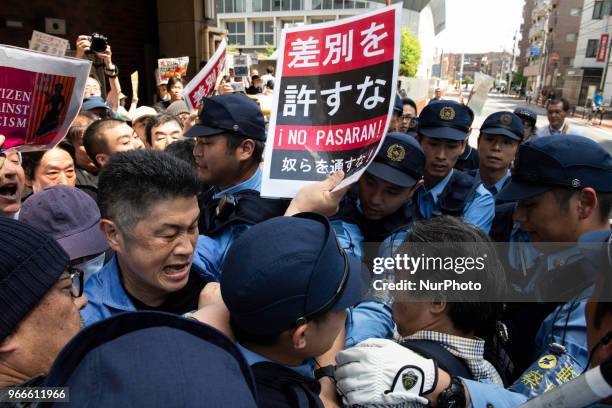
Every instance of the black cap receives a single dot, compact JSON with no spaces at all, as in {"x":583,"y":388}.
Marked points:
{"x":232,"y":113}
{"x":527,"y":114}
{"x":565,"y":161}
{"x":445,"y":119}
{"x":152,"y":359}
{"x":504,"y":124}
{"x":283,"y":270}
{"x":398,"y":105}
{"x":399,"y":161}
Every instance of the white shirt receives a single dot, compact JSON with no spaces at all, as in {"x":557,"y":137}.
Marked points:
{"x":566,"y":129}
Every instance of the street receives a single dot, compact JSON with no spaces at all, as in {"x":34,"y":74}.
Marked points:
{"x":502,"y":102}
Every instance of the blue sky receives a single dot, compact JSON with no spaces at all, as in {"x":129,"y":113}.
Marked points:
{"x":480,"y":25}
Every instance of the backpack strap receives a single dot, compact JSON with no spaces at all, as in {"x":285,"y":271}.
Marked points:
{"x":279,"y":386}
{"x":434,"y":350}
{"x":459,"y":189}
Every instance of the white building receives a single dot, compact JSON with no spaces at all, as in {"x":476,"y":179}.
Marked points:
{"x":595,"y":23}
{"x":254,"y":25}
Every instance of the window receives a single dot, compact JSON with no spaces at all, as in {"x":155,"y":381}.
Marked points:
{"x":575,"y":11}
{"x":263,"y":32}
{"x":235,"y":32}
{"x":315,"y":20}
{"x":266,"y":5}
{"x":322,"y":4}
{"x":293,"y":5}
{"x":292,"y":23}
{"x":591,"y":51}
{"x":570,"y":37}
{"x":230,"y":6}
{"x":598,"y":10}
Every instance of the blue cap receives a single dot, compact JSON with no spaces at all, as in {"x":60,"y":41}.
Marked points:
{"x":564,"y":161}
{"x":399,"y":161}
{"x":286,"y":270}
{"x":232,"y":113}
{"x":445,"y":119}
{"x":152,"y":359}
{"x":504,"y":124}
{"x":94,"y":102}
{"x":527,"y":114}
{"x":398,"y":106}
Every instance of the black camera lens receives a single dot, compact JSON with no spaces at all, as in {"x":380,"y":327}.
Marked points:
{"x":98,"y":42}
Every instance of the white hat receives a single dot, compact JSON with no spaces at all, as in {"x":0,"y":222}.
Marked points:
{"x":143,"y":111}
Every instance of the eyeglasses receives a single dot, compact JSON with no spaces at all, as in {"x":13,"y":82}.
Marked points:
{"x":76,"y":277}
{"x":334,"y":299}
{"x":13,"y":155}
{"x":406,"y":117}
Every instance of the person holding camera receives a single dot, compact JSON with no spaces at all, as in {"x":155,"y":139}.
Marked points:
{"x":96,"y":47}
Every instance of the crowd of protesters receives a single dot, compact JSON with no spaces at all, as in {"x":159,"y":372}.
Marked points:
{"x":141,"y":267}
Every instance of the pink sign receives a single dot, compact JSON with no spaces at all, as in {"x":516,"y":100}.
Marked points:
{"x":37,"y":103}
{"x":205,"y":82}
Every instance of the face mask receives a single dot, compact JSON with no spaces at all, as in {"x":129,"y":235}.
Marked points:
{"x":91,"y":266}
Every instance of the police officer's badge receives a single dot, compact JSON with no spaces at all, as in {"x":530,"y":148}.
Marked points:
{"x":235,"y":127}
{"x":547,"y":362}
{"x":396,"y":153}
{"x":409,"y":380}
{"x":505,"y":119}
{"x":447,"y":113}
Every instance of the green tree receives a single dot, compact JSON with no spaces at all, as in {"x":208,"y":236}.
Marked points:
{"x":269,"y":49}
{"x":518,"y":78}
{"x":410,"y":54}
{"x":468,"y":80}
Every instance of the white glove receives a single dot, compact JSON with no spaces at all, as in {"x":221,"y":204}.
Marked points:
{"x":382,"y":372}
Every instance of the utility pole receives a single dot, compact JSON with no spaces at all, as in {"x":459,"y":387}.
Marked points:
{"x":605,"y":71}
{"x":540,"y":83}
{"x":511,"y":68}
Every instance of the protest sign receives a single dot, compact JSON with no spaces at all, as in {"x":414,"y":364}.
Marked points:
{"x":241,"y":65}
{"x":205,"y":82}
{"x":480,"y":92}
{"x":134,"y":79}
{"x":40,"y":95}
{"x":48,"y":44}
{"x":172,"y":67}
{"x":333,"y":99}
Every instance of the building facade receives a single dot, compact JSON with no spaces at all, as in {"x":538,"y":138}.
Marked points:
{"x":592,"y":54}
{"x":256,"y":25}
{"x":495,"y":64}
{"x":552,"y":40}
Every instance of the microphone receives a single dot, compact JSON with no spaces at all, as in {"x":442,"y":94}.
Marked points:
{"x":590,"y":387}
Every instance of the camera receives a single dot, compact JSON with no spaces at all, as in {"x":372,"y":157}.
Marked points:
{"x":98,"y":43}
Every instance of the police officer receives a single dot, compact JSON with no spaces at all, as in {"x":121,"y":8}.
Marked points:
{"x":563,"y":188}
{"x":230,"y":142}
{"x":381,"y":202}
{"x":529,"y":118}
{"x":282,"y":323}
{"x":499,"y":139}
{"x":443,"y":129}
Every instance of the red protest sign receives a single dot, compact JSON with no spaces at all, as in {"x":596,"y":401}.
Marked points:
{"x":204,"y":83}
{"x":40,"y":95}
{"x":333,"y":99}
{"x":603,"y":47}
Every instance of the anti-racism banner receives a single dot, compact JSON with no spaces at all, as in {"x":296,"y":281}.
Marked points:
{"x":205,"y":82}
{"x":49,"y":44}
{"x":40,"y":95}
{"x":333,"y":99}
{"x":172,"y":67}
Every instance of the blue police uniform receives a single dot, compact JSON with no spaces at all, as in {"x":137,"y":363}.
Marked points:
{"x":458,"y":193}
{"x":400,"y":161}
{"x":107,"y":297}
{"x":569,"y":162}
{"x":225,"y":215}
{"x":498,"y":186}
